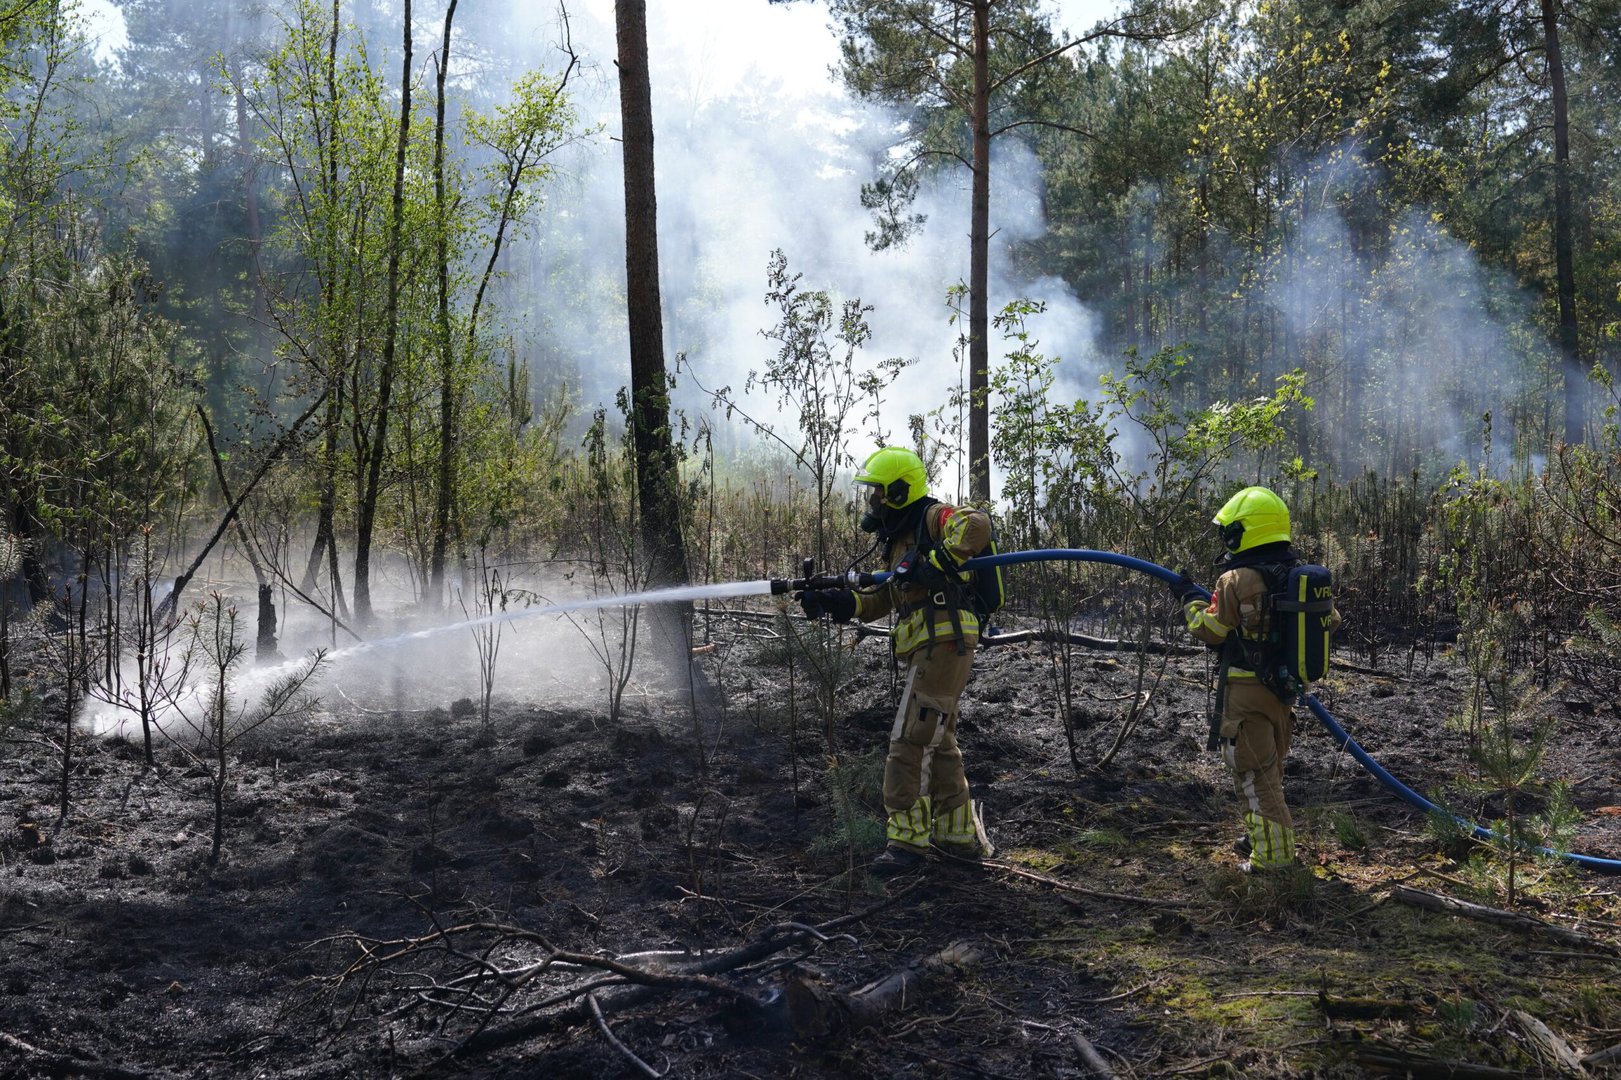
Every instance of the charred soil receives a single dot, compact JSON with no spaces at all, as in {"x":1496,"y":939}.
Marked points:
{"x":683,"y":890}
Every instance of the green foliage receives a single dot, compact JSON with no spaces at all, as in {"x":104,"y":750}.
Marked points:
{"x":1508,"y":725}
{"x":1348,"y":832}
{"x":815,"y":377}
{"x":603,"y":533}
{"x":1071,"y":481}
{"x":1058,"y":458}
{"x":1452,"y":835}
{"x":1111,"y":841}
{"x":1264,"y":898}
{"x":854,"y":793}
{"x":1457,"y":1015}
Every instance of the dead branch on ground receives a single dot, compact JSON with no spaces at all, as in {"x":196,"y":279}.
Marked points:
{"x":55,"y":1064}
{"x":818,"y":1012}
{"x":1446,"y":904}
{"x":1091,"y":1058}
{"x":482,"y":985}
{"x":1070,"y":887}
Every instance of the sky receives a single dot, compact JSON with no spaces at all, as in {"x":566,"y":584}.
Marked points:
{"x":727,"y":34}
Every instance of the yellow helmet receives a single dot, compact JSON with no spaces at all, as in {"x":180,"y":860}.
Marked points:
{"x":897,"y":474}
{"x":1253,"y":517}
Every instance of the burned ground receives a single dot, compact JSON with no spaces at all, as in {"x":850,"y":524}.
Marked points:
{"x":377,"y":859}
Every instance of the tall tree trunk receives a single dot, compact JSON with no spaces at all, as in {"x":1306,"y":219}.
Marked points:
{"x":250,"y":204}
{"x":265,"y":641}
{"x":979,"y":242}
{"x":1563,"y":240}
{"x":447,"y":350}
{"x":366,"y":512}
{"x":326,"y":538}
{"x":326,"y":510}
{"x":656,"y":481}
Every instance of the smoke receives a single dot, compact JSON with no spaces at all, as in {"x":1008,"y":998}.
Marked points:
{"x":552,"y":642}
{"x":757,"y":149}
{"x":1409,"y":331}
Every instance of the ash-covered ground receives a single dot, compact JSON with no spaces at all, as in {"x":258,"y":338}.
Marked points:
{"x":406,"y":889}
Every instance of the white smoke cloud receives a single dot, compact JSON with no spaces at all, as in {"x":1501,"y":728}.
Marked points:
{"x":1419,"y":337}
{"x":757,"y":148}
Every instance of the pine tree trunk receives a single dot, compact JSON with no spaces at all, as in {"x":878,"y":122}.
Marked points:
{"x":656,"y":480}
{"x":1563,"y":234}
{"x":979,"y":240}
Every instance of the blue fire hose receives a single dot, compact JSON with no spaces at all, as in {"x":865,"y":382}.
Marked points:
{"x":1341,"y":738}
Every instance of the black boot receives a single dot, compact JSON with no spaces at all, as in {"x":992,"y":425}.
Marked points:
{"x":895,"y":859}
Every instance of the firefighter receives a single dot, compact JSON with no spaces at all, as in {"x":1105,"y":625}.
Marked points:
{"x":1255,"y":722}
{"x":935,"y":634}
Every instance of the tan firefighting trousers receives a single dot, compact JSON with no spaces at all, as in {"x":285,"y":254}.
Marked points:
{"x":925,"y":788}
{"x":1257,"y":727}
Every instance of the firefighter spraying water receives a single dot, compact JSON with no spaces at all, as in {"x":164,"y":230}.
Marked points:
{"x":937,"y":629}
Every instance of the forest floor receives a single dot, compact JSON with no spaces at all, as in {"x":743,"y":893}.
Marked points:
{"x":409,"y":891}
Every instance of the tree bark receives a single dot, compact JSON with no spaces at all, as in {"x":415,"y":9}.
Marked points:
{"x":447,"y":348}
{"x":656,"y":480}
{"x":979,"y":242}
{"x":366,"y":512}
{"x":1563,"y":233}
{"x":817,"y":1012}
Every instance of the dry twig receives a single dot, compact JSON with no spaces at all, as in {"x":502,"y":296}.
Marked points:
{"x":614,"y":1041}
{"x":1446,"y":904}
{"x":1065,"y":886}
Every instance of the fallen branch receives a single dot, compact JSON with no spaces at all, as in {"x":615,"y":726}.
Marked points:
{"x":1365,"y":1008}
{"x":1117,"y":997}
{"x":1415,"y":1067}
{"x":616,"y":995}
{"x":614,"y":1041}
{"x":1447,"y":905}
{"x":1091,"y":1058}
{"x":55,"y":1064}
{"x":1601,"y":1058}
{"x":817,"y":1012}
{"x":1564,"y":1059}
{"x":1097,"y":894}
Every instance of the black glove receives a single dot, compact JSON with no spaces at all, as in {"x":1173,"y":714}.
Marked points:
{"x":838,"y":604}
{"x":1184,"y":589}
{"x":916,"y":569}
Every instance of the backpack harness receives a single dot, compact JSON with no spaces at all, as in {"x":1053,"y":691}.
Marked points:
{"x":983,"y":592}
{"x":1293,"y":651}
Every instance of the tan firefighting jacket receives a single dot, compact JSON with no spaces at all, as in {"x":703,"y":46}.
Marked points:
{"x":963,"y":533}
{"x":1237,"y":603}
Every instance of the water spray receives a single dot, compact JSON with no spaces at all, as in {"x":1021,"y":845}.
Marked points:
{"x":810,"y":580}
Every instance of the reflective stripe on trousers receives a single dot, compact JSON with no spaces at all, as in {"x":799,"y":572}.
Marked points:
{"x":923,"y":774}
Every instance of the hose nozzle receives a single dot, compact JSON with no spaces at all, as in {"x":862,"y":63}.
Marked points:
{"x":812,"y":580}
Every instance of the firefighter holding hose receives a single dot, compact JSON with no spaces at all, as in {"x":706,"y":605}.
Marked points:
{"x":935,"y":634}
{"x":1270,"y":615}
